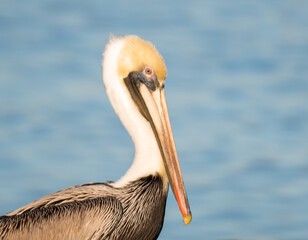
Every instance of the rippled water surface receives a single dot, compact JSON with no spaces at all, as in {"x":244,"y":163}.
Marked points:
{"x":237,"y":90}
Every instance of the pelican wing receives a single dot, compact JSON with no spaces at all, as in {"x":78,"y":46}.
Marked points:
{"x":89,"y":219}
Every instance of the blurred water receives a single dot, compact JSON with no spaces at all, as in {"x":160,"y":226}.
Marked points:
{"x":237,"y":90}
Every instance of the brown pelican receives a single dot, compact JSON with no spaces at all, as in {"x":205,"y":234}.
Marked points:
{"x":133,"y":207}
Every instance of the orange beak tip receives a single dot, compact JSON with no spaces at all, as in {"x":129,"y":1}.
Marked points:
{"x":187,"y":219}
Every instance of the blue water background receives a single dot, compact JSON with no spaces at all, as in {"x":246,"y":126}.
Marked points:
{"x":237,"y":90}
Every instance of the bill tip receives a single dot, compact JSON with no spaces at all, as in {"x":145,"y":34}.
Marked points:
{"x":187,"y":219}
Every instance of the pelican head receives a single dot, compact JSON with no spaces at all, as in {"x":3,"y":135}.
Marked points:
{"x":134,"y":75}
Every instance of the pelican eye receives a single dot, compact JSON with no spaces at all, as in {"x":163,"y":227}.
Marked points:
{"x":148,"y":72}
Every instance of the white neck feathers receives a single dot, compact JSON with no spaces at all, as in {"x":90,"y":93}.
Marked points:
{"x":147,"y":159}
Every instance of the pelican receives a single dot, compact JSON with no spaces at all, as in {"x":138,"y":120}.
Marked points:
{"x":133,"y":207}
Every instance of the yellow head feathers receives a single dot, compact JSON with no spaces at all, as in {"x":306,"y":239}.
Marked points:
{"x":136,"y":54}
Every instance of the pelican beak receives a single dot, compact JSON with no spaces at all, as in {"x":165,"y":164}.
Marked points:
{"x":151,"y":101}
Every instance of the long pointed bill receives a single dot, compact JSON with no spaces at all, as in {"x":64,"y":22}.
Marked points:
{"x":153,"y":106}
